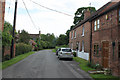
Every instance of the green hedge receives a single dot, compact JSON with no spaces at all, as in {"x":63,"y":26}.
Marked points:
{"x":22,"y":48}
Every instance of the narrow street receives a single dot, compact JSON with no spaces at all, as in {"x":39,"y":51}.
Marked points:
{"x":44,"y":64}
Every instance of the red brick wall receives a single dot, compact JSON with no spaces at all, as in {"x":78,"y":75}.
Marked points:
{"x":79,"y":38}
{"x":0,"y":16}
{"x":2,"y":12}
{"x":7,"y":50}
{"x":108,"y":32}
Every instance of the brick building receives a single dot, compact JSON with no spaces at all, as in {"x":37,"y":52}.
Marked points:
{"x":35,"y":36}
{"x":101,"y":37}
{"x":80,"y":37}
{"x":2,"y":12}
{"x":106,"y":37}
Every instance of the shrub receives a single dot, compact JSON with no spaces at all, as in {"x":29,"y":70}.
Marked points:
{"x":95,"y":66}
{"x":75,"y":54}
{"x":22,"y":48}
{"x":6,"y":57}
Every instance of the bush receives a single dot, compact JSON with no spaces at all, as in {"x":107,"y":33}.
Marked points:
{"x":75,"y":54}
{"x":95,"y":66}
{"x":6,"y":57}
{"x":22,"y":48}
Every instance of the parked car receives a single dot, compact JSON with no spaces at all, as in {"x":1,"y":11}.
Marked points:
{"x":65,"y":53}
{"x":57,"y":51}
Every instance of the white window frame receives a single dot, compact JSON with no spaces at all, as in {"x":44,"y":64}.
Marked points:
{"x":75,"y":34}
{"x":98,"y":24}
{"x":71,"y":45}
{"x":72,"y":35}
{"x":83,"y":30}
{"x":95,"y":23}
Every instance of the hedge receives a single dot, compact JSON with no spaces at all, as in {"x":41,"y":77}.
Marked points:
{"x":22,"y":48}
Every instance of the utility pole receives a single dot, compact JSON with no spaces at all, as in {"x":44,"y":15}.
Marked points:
{"x":13,"y":34}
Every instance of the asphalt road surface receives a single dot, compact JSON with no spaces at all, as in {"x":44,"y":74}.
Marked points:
{"x":44,"y":64}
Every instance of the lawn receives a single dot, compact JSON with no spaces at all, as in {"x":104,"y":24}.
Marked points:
{"x":83,"y":65}
{"x":8,"y":63}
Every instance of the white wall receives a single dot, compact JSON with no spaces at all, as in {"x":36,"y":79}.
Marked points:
{"x":83,"y":55}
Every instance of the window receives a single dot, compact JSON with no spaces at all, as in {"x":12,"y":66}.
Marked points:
{"x":98,"y":24}
{"x":72,"y":35}
{"x":95,"y":26}
{"x":66,"y":50}
{"x":119,"y":15}
{"x":71,"y":45}
{"x":75,"y":34}
{"x":83,"y":31}
{"x":82,"y":46}
{"x":96,"y":49}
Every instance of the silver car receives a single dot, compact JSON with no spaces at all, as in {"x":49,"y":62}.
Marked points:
{"x":65,"y":53}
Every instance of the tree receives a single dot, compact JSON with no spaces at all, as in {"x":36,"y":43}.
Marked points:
{"x":48,"y":40}
{"x":79,"y":14}
{"x":24,"y":37}
{"x":7,"y":34}
{"x":67,"y":34}
{"x":62,"y":40}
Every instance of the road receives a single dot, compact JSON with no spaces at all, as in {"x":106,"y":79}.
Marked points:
{"x":44,"y":64}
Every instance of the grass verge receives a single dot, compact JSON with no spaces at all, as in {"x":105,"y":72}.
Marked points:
{"x":53,"y":50}
{"x":15,"y":60}
{"x":83,"y":66}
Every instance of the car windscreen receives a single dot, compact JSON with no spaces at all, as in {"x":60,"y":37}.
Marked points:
{"x":66,"y":50}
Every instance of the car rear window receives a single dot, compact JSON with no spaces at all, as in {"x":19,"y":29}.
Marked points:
{"x":66,"y":50}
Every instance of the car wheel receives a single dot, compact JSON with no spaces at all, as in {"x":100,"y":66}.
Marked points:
{"x":71,"y":59}
{"x":59,"y":58}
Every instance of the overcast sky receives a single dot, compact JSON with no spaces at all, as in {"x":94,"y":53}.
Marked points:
{"x":47,"y":21}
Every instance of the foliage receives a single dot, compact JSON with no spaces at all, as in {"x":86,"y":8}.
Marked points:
{"x":5,"y":58}
{"x":67,"y":34}
{"x":75,"y":54}
{"x":71,"y":27}
{"x":7,"y":34}
{"x":95,"y":66}
{"x":83,"y":65}
{"x":24,"y":37}
{"x":47,"y":41}
{"x":79,"y":14}
{"x":56,"y":48}
{"x":8,"y":63}
{"x":22,"y":48}
{"x":62,"y":40}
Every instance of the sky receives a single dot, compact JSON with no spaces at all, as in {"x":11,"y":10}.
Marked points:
{"x":45,"y":20}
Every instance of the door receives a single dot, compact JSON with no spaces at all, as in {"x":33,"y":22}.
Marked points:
{"x":105,"y":54}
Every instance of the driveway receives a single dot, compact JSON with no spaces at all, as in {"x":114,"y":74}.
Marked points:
{"x":45,"y":64}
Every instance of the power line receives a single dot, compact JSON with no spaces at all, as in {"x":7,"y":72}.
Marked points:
{"x":51,"y":9}
{"x":29,"y":14}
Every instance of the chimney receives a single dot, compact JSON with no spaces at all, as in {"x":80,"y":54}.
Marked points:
{"x":18,"y":31}
{"x":86,"y":13}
